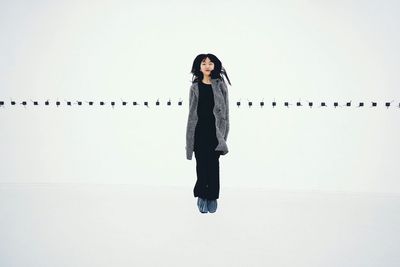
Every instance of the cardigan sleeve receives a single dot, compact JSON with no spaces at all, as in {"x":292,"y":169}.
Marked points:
{"x":189,"y":152}
{"x":191,"y":96}
{"x":226,"y":97}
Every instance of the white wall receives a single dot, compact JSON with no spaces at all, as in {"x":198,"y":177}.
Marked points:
{"x":143,"y":50}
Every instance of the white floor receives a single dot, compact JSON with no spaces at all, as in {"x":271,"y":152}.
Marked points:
{"x":127,"y":225}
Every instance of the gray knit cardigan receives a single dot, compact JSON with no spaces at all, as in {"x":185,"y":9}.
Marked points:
{"x":221,"y":113}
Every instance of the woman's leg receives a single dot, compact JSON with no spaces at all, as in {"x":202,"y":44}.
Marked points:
{"x":213,"y":175}
{"x":200,"y":188}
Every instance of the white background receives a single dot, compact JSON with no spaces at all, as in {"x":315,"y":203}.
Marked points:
{"x":143,"y":51}
{"x":102,"y":186}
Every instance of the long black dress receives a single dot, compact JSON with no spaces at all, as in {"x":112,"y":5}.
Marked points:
{"x":205,"y":139}
{"x":207,"y":159}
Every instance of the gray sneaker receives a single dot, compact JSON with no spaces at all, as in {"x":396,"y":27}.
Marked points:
{"x":212,"y":205}
{"x":202,"y":205}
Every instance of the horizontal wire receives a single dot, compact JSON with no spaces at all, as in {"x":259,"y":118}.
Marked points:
{"x":169,"y":103}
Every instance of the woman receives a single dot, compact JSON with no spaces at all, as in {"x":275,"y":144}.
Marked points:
{"x":207,"y":127}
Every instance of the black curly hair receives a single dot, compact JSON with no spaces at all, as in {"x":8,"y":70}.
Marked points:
{"x":215,"y":73}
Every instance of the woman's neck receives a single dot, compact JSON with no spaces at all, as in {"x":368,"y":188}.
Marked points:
{"x":207,"y":80}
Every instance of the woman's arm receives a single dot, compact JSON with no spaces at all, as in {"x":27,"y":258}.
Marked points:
{"x":189,"y":141}
{"x":226,"y":98}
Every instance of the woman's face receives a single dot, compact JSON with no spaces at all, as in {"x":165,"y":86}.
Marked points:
{"x":206,"y":67}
